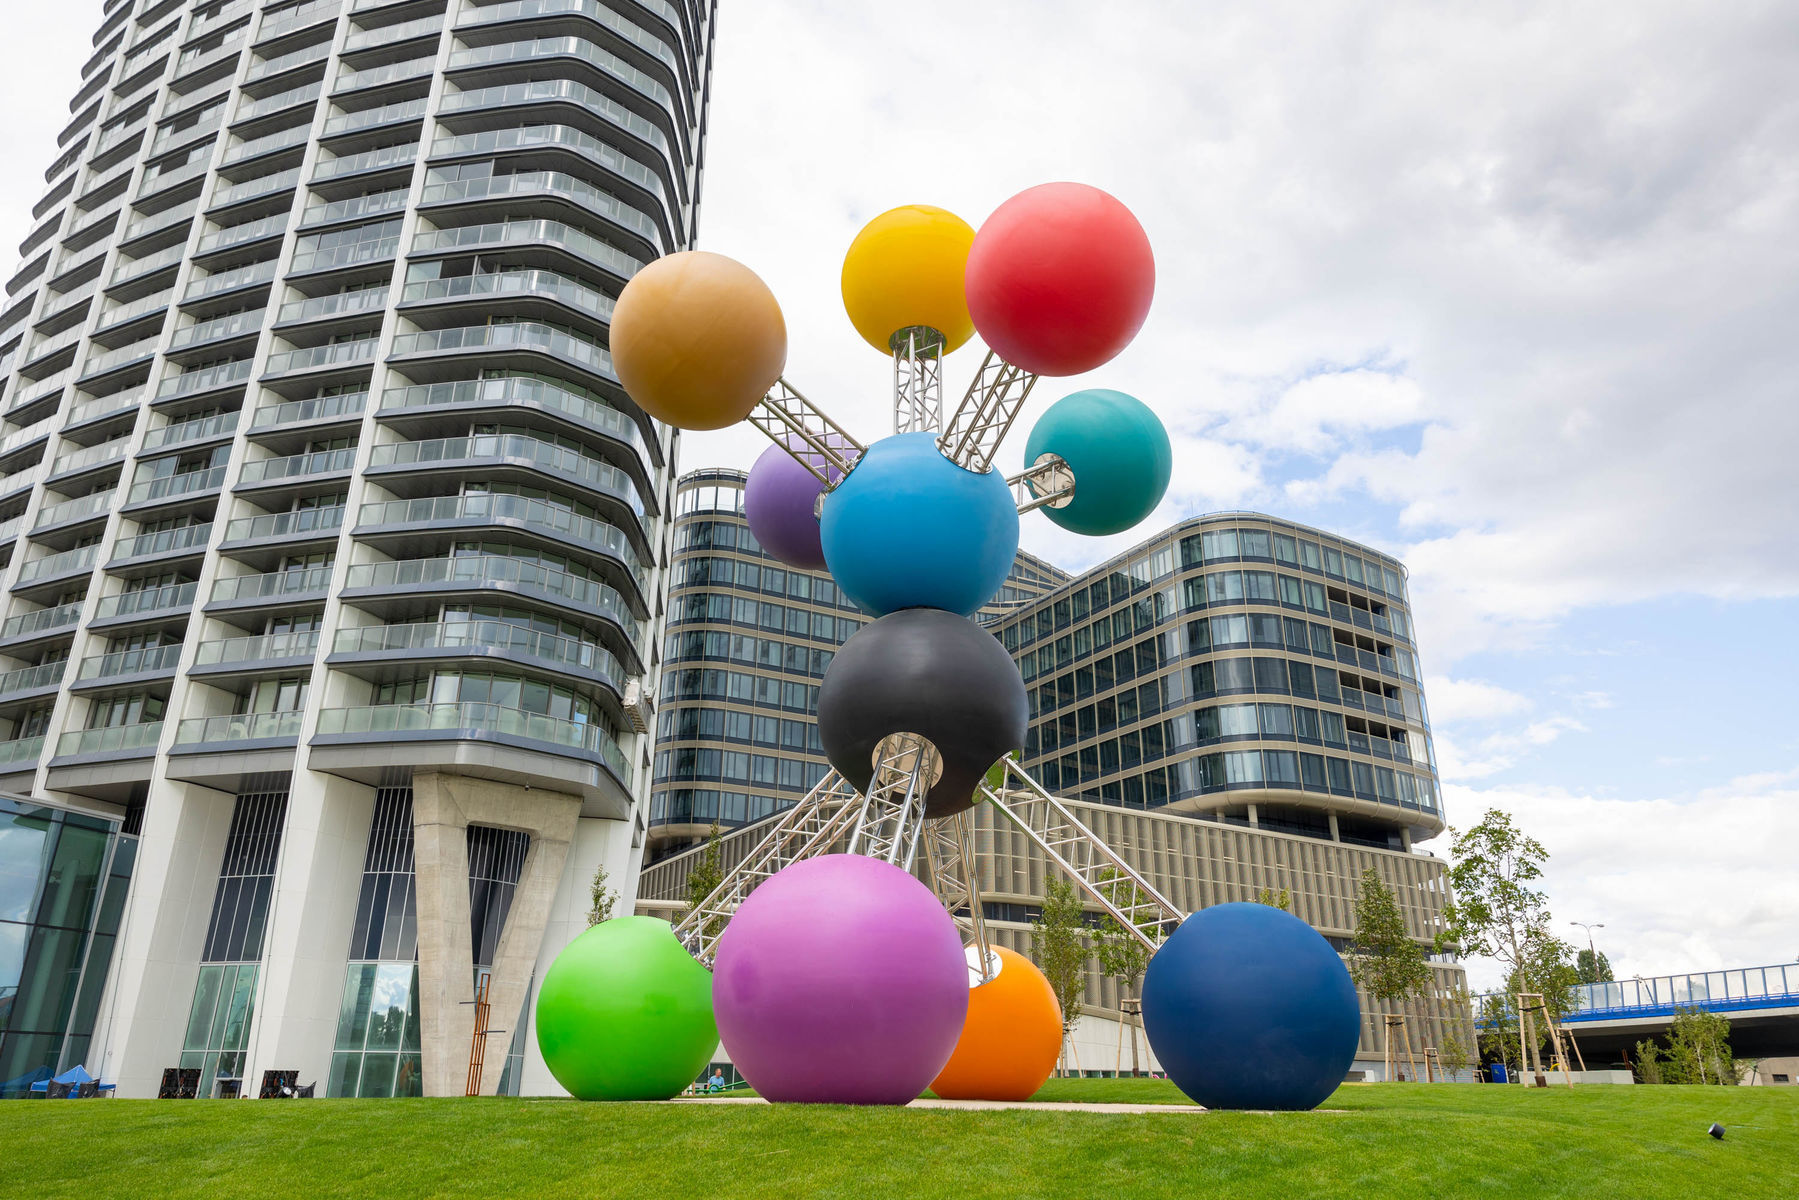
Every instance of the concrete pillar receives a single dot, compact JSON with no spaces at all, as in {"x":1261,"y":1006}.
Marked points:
{"x":443,"y":807}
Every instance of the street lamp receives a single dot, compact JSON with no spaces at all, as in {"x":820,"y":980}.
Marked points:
{"x":1590,"y":929}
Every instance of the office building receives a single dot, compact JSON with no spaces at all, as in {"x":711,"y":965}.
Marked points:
{"x":332,"y":547}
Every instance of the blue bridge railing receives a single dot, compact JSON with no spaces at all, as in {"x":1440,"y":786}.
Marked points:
{"x":1714,"y":991}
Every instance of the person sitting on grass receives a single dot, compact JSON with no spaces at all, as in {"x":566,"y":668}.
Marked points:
{"x":717,"y":1082}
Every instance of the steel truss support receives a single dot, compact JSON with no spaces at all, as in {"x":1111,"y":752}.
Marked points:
{"x":1048,"y":483}
{"x":917,"y":380}
{"x":949,"y":851}
{"x":799,"y":426}
{"x":892,"y":813}
{"x":814,"y":826}
{"x":1094,"y":866}
{"x":980,"y":422}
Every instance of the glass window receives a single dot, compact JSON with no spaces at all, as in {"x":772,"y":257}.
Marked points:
{"x":1309,"y":557}
{"x":1220,"y":543}
{"x":1305,"y":723}
{"x":1277,"y":720}
{"x":1291,"y":592}
{"x":1280,"y":768}
{"x":1286,"y":550}
{"x":1253,"y":543}
{"x":1352,"y":568}
{"x":1333,"y":729}
{"x":1231,"y":720}
{"x":1338,"y":770}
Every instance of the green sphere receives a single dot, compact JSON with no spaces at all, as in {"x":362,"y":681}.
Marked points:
{"x":1118,"y":451}
{"x":625,"y":1013}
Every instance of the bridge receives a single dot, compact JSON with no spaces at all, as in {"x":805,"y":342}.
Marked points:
{"x":1762,"y":1004}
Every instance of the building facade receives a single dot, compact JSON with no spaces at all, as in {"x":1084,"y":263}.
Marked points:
{"x":747,"y":643}
{"x":332,"y":546}
{"x":1235,"y":706}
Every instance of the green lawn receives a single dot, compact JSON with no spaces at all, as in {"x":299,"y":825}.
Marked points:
{"x":1393,"y":1140}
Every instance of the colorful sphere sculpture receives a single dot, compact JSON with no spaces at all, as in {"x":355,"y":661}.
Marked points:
{"x":1011,"y":1038}
{"x":927,"y":672}
{"x":908,"y":528}
{"x":1118,"y":451}
{"x":1060,"y":278}
{"x":840,"y":980}
{"x":1248,"y":1007}
{"x":697,"y":339}
{"x":779,"y":502}
{"x":625,"y":1013}
{"x":904,"y":270}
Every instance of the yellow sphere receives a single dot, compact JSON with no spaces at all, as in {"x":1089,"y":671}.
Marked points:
{"x":697,"y":339}
{"x":904,"y":269}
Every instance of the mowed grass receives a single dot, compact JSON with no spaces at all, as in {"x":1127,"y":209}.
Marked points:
{"x":1386,"y":1140}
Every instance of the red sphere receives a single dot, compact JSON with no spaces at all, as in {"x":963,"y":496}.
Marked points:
{"x":1060,"y":278}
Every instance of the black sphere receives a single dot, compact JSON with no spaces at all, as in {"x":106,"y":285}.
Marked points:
{"x":932,"y":673}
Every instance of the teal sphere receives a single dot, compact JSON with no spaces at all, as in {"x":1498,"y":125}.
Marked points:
{"x":625,"y":1013}
{"x":908,"y":528}
{"x":1118,"y":451}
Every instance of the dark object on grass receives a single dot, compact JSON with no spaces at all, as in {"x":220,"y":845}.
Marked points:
{"x":278,"y":1085}
{"x":1716,"y":1131}
{"x":179,"y":1083}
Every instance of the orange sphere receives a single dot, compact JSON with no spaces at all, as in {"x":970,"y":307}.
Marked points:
{"x":697,"y":339}
{"x":1011,"y":1038}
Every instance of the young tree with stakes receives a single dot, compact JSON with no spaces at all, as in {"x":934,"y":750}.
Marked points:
{"x":1386,"y":962}
{"x":1059,"y":946}
{"x":604,"y":898}
{"x":1124,"y":957}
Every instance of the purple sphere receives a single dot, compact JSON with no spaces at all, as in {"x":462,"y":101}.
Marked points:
{"x":841,"y":980}
{"x":778,"y":502}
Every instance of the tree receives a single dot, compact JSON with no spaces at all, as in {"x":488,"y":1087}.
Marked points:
{"x":1593,"y":967}
{"x":603,"y":899}
{"x":1059,"y":945}
{"x":1454,"y":1056}
{"x":1649,"y":1062}
{"x":1122,"y":954}
{"x":1282,"y":900}
{"x":1499,"y":1029}
{"x":1699,"y":1049}
{"x":708,"y":872}
{"x":1383,"y":958}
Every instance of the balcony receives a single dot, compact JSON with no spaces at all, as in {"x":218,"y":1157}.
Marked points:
{"x":548,"y":284}
{"x":226,"y":194}
{"x":292,"y":19}
{"x":105,"y":407}
{"x":293,"y":60}
{"x":308,"y":523}
{"x":515,"y":10}
{"x":313,"y":358}
{"x":21,"y":754}
{"x":294,"y":584}
{"x":280,"y":102}
{"x":480,"y":639}
{"x":448,"y":513}
{"x":414,"y":68}
{"x":205,"y":379}
{"x":67,"y":511}
{"x":383,"y":35}
{"x":381,"y":159}
{"x":58,"y":566}
{"x":200,"y":429}
{"x":341,"y":304}
{"x":477,"y":573}
{"x":375,"y":250}
{"x":218,"y":329}
{"x":233,"y":236}
{"x":627,"y":217}
{"x":641,"y":82}
{"x":249,"y":275}
{"x":594,"y":474}
{"x":262,"y":651}
{"x":322,"y":409}
{"x":127,"y":607}
{"x":586,"y":247}
{"x":86,"y":458}
{"x":170,"y":487}
{"x":45,"y":677}
{"x":277,"y":470}
{"x":374,"y":118}
{"x":190,"y":539}
{"x":41,"y":621}
{"x":354,"y":209}
{"x":114,"y":740}
{"x":124,"y":314}
{"x":129,"y":665}
{"x":199,"y":734}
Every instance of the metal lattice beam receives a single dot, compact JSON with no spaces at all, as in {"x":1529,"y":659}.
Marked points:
{"x":980,"y":422}
{"x":949,"y":852}
{"x":811,"y":827}
{"x":1048,"y":483}
{"x":917,"y":380}
{"x":1095,"y":867}
{"x":892,"y":813}
{"x":800,"y":427}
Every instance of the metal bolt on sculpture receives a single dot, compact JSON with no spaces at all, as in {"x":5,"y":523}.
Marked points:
{"x":836,"y":975}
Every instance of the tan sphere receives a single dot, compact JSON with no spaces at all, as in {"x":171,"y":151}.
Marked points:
{"x":697,"y":339}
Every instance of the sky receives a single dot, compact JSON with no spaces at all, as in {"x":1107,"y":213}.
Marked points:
{"x":1506,"y":290}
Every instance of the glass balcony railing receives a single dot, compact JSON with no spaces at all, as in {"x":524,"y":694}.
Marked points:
{"x":318,"y":408}
{"x":539,"y":91}
{"x":21,"y":750}
{"x":288,"y":20}
{"x":292,"y":582}
{"x":27,"y":435}
{"x":65,"y":563}
{"x":287,"y":524}
{"x":169,"y":486}
{"x":587,"y":146}
{"x":239,"y":235}
{"x":530,"y":335}
{"x":335,"y":305}
{"x":204,"y":379}
{"x":280,"y":102}
{"x":167,"y":598}
{"x":584,"y":408}
{"x":368,"y":160}
{"x":515,"y":232}
{"x":238,"y":727}
{"x":559,"y":460}
{"x":29,"y":679}
{"x":553,"y":518}
{"x":575,"y":294}
{"x":225,"y":281}
{"x":284,"y":140}
{"x":105,"y":406}
{"x":478,"y":718}
{"x":319,"y":462}
{"x":374,"y":205}
{"x":230,"y":325}
{"x":512,"y":10}
{"x":164,"y":541}
{"x":74,"y":510}
{"x":383,"y":35}
{"x":180,"y":433}
{"x":356,"y":253}
{"x":500,"y":637}
{"x":42,"y":620}
{"x":106,"y":360}
{"x":575,"y":591}
{"x":641,"y":82}
{"x":131,"y":662}
{"x":412,"y":68}
{"x":142,"y":306}
{"x":132,"y":268}
{"x":231,"y":193}
{"x":87,"y":456}
{"x":233,"y":651}
{"x":111,"y":739}
{"x":263,"y":68}
{"x":374,"y":118}
{"x":308,"y":358}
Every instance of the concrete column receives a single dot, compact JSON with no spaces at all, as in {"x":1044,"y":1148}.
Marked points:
{"x":443,"y":807}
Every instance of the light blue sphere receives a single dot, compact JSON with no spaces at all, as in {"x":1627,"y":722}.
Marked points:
{"x":907,"y":528}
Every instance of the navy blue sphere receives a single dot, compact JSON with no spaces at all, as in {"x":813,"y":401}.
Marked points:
{"x":908,"y":528}
{"x":1249,"y":1007}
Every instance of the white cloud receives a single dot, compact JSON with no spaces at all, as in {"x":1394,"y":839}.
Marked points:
{"x":1684,"y":882}
{"x":1311,"y":415}
{"x":1453,"y":700}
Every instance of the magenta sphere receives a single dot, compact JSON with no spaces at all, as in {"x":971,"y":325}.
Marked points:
{"x":841,"y":980}
{"x":778,"y":502}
